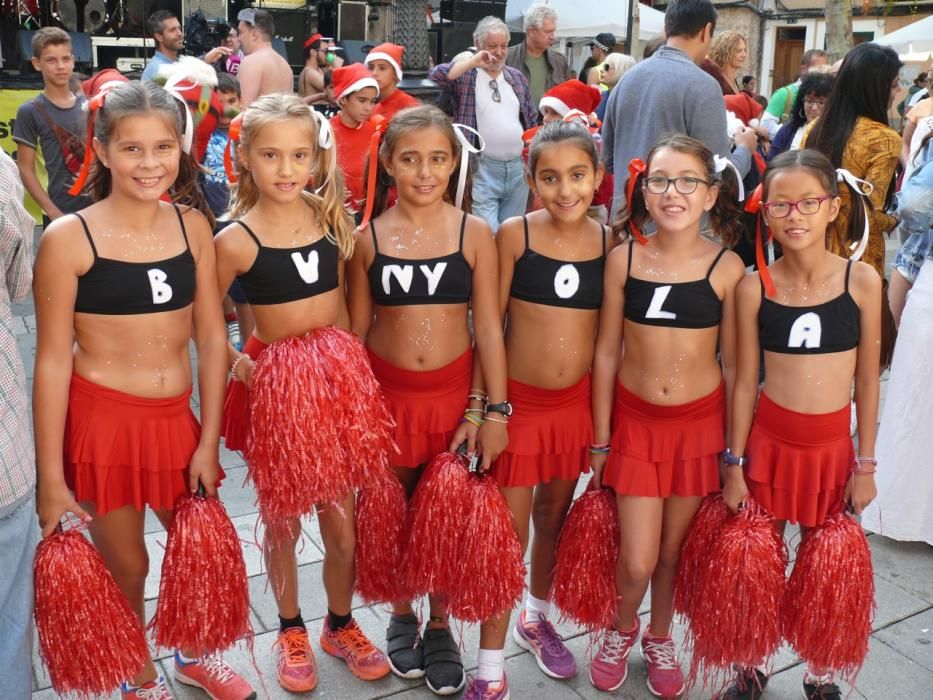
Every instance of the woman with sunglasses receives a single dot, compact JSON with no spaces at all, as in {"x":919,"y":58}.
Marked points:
{"x":494,"y":99}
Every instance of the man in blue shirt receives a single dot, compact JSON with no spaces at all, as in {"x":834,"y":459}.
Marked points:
{"x":165,"y":29}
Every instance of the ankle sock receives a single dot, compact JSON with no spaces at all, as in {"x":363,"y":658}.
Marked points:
{"x":230,"y":318}
{"x":490,"y":664}
{"x":535,"y":607}
{"x":335,"y":621}
{"x":289,"y":622}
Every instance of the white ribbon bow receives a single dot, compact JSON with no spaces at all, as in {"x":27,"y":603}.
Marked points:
{"x":466,"y":148}
{"x":577,"y":116}
{"x":325,"y":140}
{"x":721,"y":164}
{"x":859,"y":185}
{"x":174,"y":86}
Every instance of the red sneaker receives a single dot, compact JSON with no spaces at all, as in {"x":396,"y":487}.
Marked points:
{"x":665,"y":679}
{"x":153,"y":690}
{"x":214,"y":677}
{"x":350,"y":644}
{"x":295,"y":668}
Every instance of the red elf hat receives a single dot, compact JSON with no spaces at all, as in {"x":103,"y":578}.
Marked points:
{"x":391,"y":53}
{"x":571,"y":94}
{"x":352,"y":78}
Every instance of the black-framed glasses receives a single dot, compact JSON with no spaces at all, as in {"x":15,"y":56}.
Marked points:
{"x":807,"y":207}
{"x":658,"y":184}
{"x":496,"y":95}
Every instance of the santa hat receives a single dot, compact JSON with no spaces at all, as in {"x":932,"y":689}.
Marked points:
{"x":571,"y":94}
{"x":92,"y":85}
{"x":352,"y":78}
{"x":315,"y":38}
{"x":391,"y":53}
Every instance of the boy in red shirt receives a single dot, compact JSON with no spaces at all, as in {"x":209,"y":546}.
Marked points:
{"x":385,"y":62}
{"x":356,"y":91}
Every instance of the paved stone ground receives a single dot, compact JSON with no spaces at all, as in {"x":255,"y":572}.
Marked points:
{"x":899,"y":664}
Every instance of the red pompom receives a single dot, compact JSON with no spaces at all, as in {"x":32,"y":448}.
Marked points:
{"x":89,"y":638}
{"x":319,"y":426}
{"x":827,"y":610}
{"x":381,"y":516}
{"x":736,"y":610}
{"x":203,"y":594}
{"x":490,"y":573}
{"x":435,"y":525}
{"x":694,"y":554}
{"x":584,"y":586}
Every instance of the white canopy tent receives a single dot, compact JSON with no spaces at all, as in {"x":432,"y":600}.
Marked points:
{"x":913,"y":42}
{"x":584,"y":19}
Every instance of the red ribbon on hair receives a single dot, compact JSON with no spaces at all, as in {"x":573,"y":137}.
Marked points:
{"x":636,"y":169}
{"x":94,"y":104}
{"x":373,"y":170}
{"x":235,"y":124}
{"x":753,"y":206}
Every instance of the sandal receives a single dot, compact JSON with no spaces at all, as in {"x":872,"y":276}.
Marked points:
{"x":443,"y":668}
{"x":404,"y":647}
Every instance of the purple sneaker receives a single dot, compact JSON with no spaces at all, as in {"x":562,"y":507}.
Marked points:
{"x":665,"y":679}
{"x":539,"y":637}
{"x":487,"y":690}
{"x":609,"y":667}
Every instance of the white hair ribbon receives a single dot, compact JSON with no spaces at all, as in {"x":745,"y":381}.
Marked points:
{"x":864,"y":188}
{"x":720,"y":164}
{"x":175,"y":85}
{"x":466,"y":148}
{"x":325,"y":140}
{"x":577,"y":116}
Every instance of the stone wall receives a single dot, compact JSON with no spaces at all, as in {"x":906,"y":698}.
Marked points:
{"x":747,"y":23}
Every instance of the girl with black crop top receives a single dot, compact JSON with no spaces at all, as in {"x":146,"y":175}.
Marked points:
{"x":817,"y":317}
{"x":550,"y":289}
{"x":417,"y":271}
{"x":287,"y":247}
{"x":659,"y":413}
{"x":119,"y":290}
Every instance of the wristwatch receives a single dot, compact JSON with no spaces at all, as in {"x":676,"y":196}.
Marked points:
{"x":505,"y":408}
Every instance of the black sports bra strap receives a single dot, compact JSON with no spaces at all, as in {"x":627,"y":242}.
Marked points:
{"x":848,"y":270}
{"x":372,"y":229}
{"x":631,"y":247}
{"x":462,"y":229}
{"x":603,"y":230}
{"x":87,"y":233}
{"x":181,"y":222}
{"x":525,"y":223}
{"x":250,"y":232}
{"x":710,"y":270}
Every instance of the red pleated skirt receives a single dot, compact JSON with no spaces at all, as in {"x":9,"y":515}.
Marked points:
{"x":549,"y":434}
{"x":235,"y":425}
{"x":799,"y":463}
{"x":121,"y":449}
{"x":427,"y":406}
{"x":659,"y":451}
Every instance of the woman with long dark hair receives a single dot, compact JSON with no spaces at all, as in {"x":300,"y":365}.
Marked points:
{"x":808,"y":106}
{"x":853,"y":133}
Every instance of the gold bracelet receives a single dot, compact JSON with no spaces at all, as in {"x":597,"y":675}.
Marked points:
{"x":478,"y":422}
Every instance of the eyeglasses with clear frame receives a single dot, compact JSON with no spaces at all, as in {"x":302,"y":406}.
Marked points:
{"x":808,"y":206}
{"x":658,"y":184}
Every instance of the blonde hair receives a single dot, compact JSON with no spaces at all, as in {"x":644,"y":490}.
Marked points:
{"x":725,"y":46}
{"x":618,"y":63}
{"x":328,"y":204}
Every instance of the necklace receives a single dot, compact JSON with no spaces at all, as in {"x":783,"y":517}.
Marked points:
{"x":291,"y":231}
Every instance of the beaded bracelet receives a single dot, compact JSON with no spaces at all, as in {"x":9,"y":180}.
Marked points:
{"x":597,"y":450}
{"x":236,"y":363}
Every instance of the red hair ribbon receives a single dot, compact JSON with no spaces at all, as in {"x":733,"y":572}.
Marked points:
{"x":93,"y":105}
{"x":636,"y":168}
{"x":235,"y":125}
{"x":753,"y":206}
{"x":381,"y":123}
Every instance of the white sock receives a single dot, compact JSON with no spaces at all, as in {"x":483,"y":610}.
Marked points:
{"x":184,"y":659}
{"x":536,"y":607}
{"x":491,"y":663}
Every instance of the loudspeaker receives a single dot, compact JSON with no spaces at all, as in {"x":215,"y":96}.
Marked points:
{"x":292,"y":27}
{"x":138,"y":11}
{"x":452,"y":39}
{"x":471,"y":11}
{"x":80,"y":47}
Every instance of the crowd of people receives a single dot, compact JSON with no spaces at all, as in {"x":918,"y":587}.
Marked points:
{"x":562,"y":277}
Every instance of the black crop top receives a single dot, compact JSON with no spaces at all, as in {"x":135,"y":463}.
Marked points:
{"x":832,"y":326}
{"x":672,"y":304}
{"x":402,"y":282}
{"x":543,"y":280}
{"x":121,"y":288}
{"x":281,"y":275}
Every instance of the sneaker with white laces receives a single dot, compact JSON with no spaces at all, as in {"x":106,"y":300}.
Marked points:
{"x":153,"y":690}
{"x":609,"y":667}
{"x":537,"y":635}
{"x":665,"y":679}
{"x":214,"y":677}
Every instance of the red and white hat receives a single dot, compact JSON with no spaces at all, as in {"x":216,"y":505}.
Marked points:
{"x":352,"y":78}
{"x":315,"y":38}
{"x":391,"y":53}
{"x":571,"y":94}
